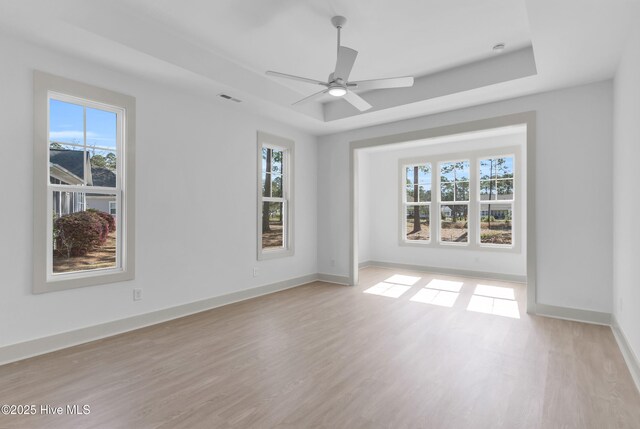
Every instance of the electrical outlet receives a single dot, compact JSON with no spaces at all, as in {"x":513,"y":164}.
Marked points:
{"x":137,"y":294}
{"x":255,"y":272}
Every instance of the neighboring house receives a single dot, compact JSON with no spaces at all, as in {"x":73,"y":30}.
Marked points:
{"x":68,"y":167}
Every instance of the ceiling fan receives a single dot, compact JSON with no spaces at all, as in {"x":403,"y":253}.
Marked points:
{"x":338,"y":83}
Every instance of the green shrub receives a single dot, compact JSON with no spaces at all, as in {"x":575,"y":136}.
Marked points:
{"x":80,"y":232}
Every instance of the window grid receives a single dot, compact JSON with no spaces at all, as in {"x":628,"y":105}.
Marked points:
{"x":460,"y":212}
{"x":80,"y":191}
{"x":453,"y":199}
{"x":496,"y":200}
{"x":275,"y":208}
{"x":417,"y":211}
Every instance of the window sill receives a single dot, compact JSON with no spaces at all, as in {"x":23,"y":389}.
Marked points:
{"x":274,"y":254}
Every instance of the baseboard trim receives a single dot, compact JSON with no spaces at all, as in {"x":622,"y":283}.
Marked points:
{"x":332,"y":278}
{"x":632,"y":360}
{"x":574,"y":314}
{"x":447,"y":271}
{"x":39,"y":346}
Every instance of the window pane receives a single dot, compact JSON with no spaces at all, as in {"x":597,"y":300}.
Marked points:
{"x":504,"y":167}
{"x":424,"y":193}
{"x":66,"y":164}
{"x":424,"y":174}
{"x":505,"y":189}
{"x":101,"y":129}
{"x":266,"y":184}
{"x":103,"y":167}
{"x":462,"y":191}
{"x":487,"y":189}
{"x":495,"y":224}
{"x":66,"y":122}
{"x":417,"y":223}
{"x":83,"y":240}
{"x":496,"y":168}
{"x":265,"y":156}
{"x":411,"y":194}
{"x":447,"y":172}
{"x":446,"y":191}
{"x":451,"y":176}
{"x":453,"y":223}
{"x":409,"y":174}
{"x":486,"y":169}
{"x":276,"y":185}
{"x":276,"y":163}
{"x":272,"y":222}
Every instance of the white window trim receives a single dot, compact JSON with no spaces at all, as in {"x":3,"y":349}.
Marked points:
{"x":46,"y":85}
{"x":404,"y":204}
{"x":512,"y":202}
{"x":288,"y":167}
{"x":474,"y":203}
{"x":440,"y":203}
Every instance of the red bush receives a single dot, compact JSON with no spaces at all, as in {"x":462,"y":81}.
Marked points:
{"x":80,"y":232}
{"x":106,"y":216}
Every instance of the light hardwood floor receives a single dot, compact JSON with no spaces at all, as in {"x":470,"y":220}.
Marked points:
{"x":329,"y":356}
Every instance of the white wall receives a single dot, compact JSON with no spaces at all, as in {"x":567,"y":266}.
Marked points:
{"x":381,"y":217}
{"x":367,"y":207}
{"x":196,"y":201}
{"x":574,"y":163}
{"x":626,"y":201}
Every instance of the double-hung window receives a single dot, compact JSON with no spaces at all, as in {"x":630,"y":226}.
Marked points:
{"x":417,"y":202}
{"x":496,"y":199}
{"x":465,"y":200}
{"x":454,"y":201}
{"x":275,"y":196}
{"x":83,"y":185}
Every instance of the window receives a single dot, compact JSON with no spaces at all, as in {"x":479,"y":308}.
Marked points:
{"x":417,"y":202}
{"x":275,"y":192}
{"x":496,"y":201}
{"x":464,"y":200}
{"x":83,"y":159}
{"x":454,"y":202}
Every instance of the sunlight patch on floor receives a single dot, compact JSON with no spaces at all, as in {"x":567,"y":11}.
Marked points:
{"x":446,"y":285}
{"x":495,"y":292}
{"x":400,"y":279}
{"x":387,"y":289}
{"x":495,"y":306}
{"x":435,"y":297}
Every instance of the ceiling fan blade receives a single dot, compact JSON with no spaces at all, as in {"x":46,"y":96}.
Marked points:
{"x":301,"y":79}
{"x":392,"y":82}
{"x":311,"y":97}
{"x":344,"y":64}
{"x":356,"y":101}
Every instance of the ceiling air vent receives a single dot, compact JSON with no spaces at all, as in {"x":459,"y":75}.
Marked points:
{"x":228,"y":97}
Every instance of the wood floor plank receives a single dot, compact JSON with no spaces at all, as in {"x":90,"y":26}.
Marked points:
{"x":425,"y":355}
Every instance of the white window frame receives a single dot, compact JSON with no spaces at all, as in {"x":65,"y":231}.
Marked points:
{"x":511,"y":202}
{"x":474,"y":203}
{"x":404,"y":205}
{"x":113,"y":205}
{"x":454,"y":202}
{"x":287,"y":147}
{"x":46,"y":87}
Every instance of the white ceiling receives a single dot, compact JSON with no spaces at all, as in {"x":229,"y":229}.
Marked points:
{"x":227,"y":45}
{"x":400,"y":37}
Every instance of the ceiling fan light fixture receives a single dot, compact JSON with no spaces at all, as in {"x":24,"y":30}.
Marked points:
{"x":337,"y":91}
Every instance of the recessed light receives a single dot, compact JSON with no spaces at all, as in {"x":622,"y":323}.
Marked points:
{"x":498,"y":48}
